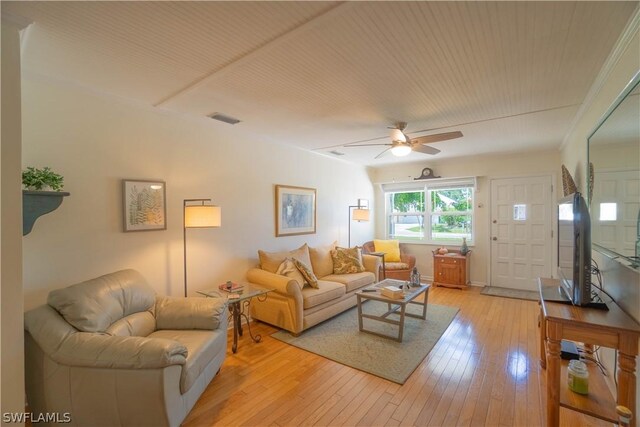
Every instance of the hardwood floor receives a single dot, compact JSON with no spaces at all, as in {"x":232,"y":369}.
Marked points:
{"x":483,"y":371}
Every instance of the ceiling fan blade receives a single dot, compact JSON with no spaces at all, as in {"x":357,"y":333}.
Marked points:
{"x":426,"y":149}
{"x":364,"y":145}
{"x":429,"y":139}
{"x":383,"y":153}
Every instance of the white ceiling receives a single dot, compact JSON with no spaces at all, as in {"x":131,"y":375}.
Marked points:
{"x":510,"y":75}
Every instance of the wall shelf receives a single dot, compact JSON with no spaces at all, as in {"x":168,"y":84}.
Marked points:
{"x":38,"y":203}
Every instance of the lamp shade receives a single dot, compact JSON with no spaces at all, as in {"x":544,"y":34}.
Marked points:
{"x":202,"y":216}
{"x":360,"y":215}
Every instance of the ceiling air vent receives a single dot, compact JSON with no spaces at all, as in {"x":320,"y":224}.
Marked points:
{"x":222,"y":118}
{"x":336,"y":153}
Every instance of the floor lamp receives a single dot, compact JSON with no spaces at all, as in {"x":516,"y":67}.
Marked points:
{"x":360,"y":213}
{"x":198,"y":213}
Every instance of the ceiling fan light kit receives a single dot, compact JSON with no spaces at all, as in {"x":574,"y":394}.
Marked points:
{"x":401,"y":144}
{"x":400,"y":150}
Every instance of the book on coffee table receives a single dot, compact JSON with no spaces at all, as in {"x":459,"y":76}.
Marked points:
{"x":392,"y":292}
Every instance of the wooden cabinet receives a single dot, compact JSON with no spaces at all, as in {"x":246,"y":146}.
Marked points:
{"x":451,"y":270}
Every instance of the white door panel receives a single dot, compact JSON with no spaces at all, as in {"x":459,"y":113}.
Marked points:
{"x":521,"y":231}
{"x":620,"y":189}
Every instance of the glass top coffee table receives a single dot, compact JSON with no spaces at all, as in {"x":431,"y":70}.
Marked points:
{"x":239,"y":302}
{"x":395,"y":305}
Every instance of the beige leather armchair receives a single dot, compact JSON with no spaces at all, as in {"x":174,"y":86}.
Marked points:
{"x":109,"y":352}
{"x":395,"y":270}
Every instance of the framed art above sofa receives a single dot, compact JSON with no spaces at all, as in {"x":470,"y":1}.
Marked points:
{"x":295,"y":210}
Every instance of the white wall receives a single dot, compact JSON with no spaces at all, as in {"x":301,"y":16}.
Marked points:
{"x":95,"y":142}
{"x":483,"y":167}
{"x":12,"y":341}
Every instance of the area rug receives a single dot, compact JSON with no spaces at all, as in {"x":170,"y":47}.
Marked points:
{"x":340,"y":340}
{"x":495,"y":291}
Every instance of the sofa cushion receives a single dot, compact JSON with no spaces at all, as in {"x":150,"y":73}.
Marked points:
{"x":134,"y":325}
{"x":321,"y":260}
{"x":306,"y":272}
{"x":96,"y":304}
{"x":347,"y":260}
{"x":352,"y":281}
{"x":391,"y":249}
{"x":270,"y":261}
{"x":326,"y":291}
{"x":289,"y":269}
{"x":202,"y":347}
{"x":396,"y":266}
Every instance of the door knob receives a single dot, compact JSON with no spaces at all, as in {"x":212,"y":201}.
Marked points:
{"x":495,"y":221}
{"x":495,"y":238}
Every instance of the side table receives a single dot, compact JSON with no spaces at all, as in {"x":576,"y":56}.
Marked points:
{"x":451,"y":269}
{"x":384,"y":269}
{"x":239,"y":307}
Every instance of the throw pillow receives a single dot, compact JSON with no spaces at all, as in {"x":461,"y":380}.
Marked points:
{"x":288,"y":269}
{"x":347,"y":261}
{"x":307,"y":273}
{"x":321,"y":260}
{"x":391,"y":249}
{"x":270,"y":261}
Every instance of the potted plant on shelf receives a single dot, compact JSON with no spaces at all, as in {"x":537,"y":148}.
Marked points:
{"x":42,"y":194}
{"x":45,"y":179}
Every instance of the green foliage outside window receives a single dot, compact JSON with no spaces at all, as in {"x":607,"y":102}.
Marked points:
{"x":408,"y":202}
{"x":455,"y":200}
{"x":449,"y":214}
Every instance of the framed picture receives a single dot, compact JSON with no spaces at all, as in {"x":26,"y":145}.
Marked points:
{"x":144,"y":205}
{"x":295,"y":210}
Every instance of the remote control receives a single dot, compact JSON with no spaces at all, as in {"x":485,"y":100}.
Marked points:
{"x":369,"y":290}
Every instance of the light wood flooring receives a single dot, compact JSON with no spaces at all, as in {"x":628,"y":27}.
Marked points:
{"x":483,"y":371}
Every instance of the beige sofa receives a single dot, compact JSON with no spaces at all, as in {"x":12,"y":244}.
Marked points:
{"x":109,"y":352}
{"x":295,"y":309}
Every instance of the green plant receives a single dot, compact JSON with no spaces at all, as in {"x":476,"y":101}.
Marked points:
{"x":38,"y":179}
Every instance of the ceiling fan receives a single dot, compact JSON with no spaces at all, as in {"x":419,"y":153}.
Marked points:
{"x":402,"y":145}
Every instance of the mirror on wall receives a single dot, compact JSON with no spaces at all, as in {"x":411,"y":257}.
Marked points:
{"x":614,"y":178}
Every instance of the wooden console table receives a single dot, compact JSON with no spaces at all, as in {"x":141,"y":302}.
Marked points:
{"x":612,"y":329}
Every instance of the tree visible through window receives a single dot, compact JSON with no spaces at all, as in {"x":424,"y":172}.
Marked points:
{"x":443,"y":215}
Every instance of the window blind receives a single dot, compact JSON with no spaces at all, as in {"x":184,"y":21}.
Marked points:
{"x":462,"y":182}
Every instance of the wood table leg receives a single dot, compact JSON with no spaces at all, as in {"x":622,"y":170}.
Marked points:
{"x":627,"y":373}
{"x":543,"y":337}
{"x":554,"y":336}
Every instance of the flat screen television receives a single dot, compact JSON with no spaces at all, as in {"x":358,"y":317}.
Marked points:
{"x":574,"y":249}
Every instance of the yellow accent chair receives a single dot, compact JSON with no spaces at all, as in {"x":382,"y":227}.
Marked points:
{"x":399,"y":270}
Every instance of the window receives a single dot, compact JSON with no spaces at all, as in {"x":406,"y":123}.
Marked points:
{"x":608,"y":211}
{"x":406,"y":218}
{"x":435,"y":212}
{"x":519,"y":212}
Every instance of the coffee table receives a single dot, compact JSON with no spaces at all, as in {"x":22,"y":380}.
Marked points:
{"x":239,"y":307}
{"x":395,"y":305}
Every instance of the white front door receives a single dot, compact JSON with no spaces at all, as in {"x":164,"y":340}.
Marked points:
{"x":521,"y":231}
{"x":614,"y":210}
